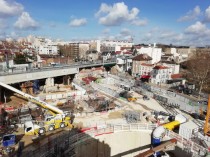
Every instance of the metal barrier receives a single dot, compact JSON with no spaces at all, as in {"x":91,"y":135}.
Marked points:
{"x":188,"y":145}
{"x":68,"y":141}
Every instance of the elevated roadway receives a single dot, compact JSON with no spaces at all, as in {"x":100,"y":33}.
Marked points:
{"x":46,"y":72}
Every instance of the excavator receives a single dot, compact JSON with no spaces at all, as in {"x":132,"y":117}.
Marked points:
{"x":56,"y":119}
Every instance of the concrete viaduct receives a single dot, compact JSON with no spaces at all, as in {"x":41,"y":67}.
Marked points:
{"x":47,"y":72}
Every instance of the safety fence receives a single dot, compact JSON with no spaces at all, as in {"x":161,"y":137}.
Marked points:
{"x":188,"y":145}
{"x":185,"y":103}
{"x":67,"y":142}
{"x":104,"y":89}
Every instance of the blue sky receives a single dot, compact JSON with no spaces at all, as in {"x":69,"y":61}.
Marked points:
{"x":179,"y":22}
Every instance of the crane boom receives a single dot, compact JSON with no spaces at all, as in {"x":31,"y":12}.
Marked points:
{"x":41,"y":103}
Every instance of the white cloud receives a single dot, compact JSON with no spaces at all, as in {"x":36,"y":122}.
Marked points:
{"x":164,"y":36}
{"x":167,"y":34}
{"x":3,"y":24}
{"x":207,"y":15}
{"x":26,"y":22}
{"x":197,"y":29}
{"x":125,"y":32}
{"x":117,"y":14}
{"x":78,"y":22}
{"x":10,"y":8}
{"x":139,"y":22}
{"x":191,"y":15}
{"x":106,"y":31}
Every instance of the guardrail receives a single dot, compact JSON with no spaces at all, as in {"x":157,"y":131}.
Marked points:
{"x":187,"y":145}
{"x":68,"y":141}
{"x":50,"y":68}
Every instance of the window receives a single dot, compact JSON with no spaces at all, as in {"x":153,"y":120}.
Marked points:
{"x":28,"y":129}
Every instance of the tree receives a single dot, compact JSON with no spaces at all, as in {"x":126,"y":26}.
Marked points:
{"x":20,"y":59}
{"x":198,"y":67}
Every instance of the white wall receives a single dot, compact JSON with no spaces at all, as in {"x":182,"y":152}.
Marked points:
{"x":153,"y":52}
{"x":144,"y":70}
{"x":174,"y":68}
{"x":120,"y":61}
{"x":160,"y":76}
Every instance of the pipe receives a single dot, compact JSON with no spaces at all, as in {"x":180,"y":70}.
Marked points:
{"x":159,"y":132}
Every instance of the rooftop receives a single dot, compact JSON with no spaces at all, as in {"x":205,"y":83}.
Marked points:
{"x":142,"y":57}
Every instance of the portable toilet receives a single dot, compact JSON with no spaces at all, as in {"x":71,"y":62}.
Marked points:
{"x":8,"y":140}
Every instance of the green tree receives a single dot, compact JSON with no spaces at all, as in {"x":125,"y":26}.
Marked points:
{"x":20,"y":59}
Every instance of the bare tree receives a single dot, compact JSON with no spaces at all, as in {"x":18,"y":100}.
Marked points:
{"x":199,"y":68}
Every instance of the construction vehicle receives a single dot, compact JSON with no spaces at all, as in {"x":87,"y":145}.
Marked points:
{"x":53,"y":119}
{"x":127,"y":95}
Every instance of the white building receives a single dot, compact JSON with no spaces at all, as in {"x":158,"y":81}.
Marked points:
{"x":112,"y":45}
{"x":95,"y":45}
{"x":153,"y":52}
{"x":83,"y":48}
{"x":125,"y":62}
{"x":160,"y":74}
{"x":173,"y":66}
{"x":146,"y":69}
{"x":48,"y":49}
{"x":44,"y":46}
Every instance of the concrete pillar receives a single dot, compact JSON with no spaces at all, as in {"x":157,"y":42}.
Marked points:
{"x":49,"y":81}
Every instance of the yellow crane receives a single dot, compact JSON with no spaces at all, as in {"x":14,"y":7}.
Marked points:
{"x":206,"y":126}
{"x":57,"y":119}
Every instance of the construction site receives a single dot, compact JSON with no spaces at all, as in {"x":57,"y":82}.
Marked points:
{"x":100,"y":114}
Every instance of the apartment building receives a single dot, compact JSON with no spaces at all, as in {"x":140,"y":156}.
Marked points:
{"x":145,"y":69}
{"x":160,"y":74}
{"x":152,"y":51}
{"x":137,"y":61}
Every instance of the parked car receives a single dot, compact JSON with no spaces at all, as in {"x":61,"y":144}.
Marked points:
{"x":145,"y":97}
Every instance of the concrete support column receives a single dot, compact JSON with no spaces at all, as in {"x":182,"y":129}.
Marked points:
{"x":66,"y":80}
{"x":49,"y":81}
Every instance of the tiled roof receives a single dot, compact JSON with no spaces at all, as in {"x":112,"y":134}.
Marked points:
{"x":145,"y":64}
{"x":142,"y":57}
{"x":175,"y":76}
{"x":127,"y":52}
{"x":117,"y":52}
{"x":168,"y":62}
{"x":125,"y":48}
{"x":160,"y":67}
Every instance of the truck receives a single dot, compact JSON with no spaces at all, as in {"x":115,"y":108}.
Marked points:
{"x":54,"y":118}
{"x":127,"y":95}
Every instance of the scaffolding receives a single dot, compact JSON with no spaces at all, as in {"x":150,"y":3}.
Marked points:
{"x":132,"y":116}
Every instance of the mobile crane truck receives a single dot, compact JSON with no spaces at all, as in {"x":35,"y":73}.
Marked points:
{"x":56,"y":119}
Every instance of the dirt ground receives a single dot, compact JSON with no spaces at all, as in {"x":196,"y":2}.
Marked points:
{"x":114,"y":115}
{"x":16,"y":101}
